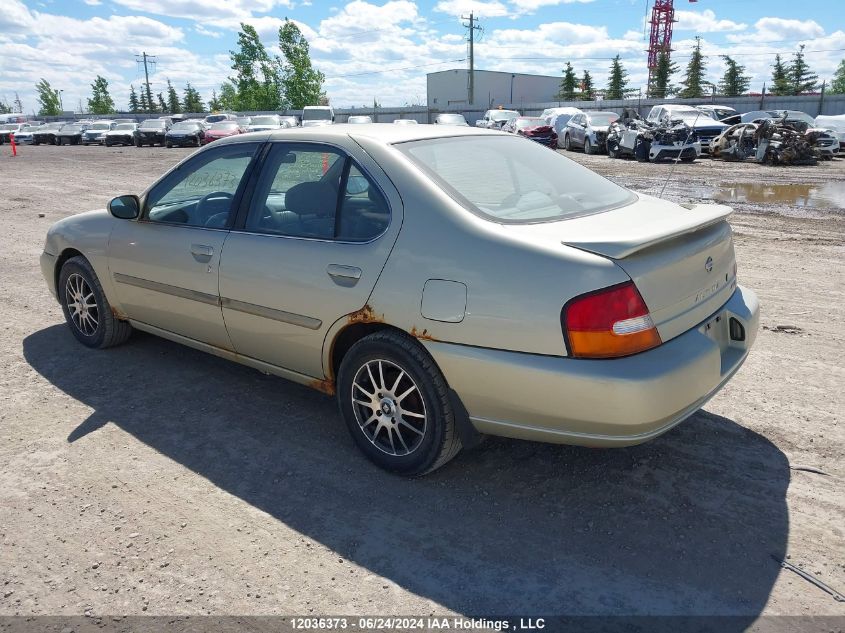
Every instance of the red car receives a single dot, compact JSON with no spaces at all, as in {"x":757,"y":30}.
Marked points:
{"x":534,"y":128}
{"x":222,"y":130}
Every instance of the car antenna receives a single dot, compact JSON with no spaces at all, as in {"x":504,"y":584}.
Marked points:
{"x":678,"y":158}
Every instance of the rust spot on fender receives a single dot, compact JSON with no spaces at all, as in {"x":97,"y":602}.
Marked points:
{"x":422,"y":335}
{"x":118,"y":314}
{"x":325,"y":385}
{"x":365,"y":315}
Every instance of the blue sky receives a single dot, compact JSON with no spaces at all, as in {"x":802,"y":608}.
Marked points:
{"x":383,"y":49}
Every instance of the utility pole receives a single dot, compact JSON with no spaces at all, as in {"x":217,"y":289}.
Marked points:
{"x":473,"y":27}
{"x":144,"y":59}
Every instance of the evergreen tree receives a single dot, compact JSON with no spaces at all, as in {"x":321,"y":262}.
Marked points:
{"x":692,"y":87}
{"x":162,"y":105}
{"x":4,"y":107}
{"x":734,"y":82}
{"x":618,"y":80}
{"x":228,"y":96}
{"x":173,"y":105}
{"x":661,"y":86}
{"x":568,"y":84}
{"x":214,"y":103}
{"x":257,"y":78}
{"x":142,"y":102}
{"x":100,"y":101}
{"x":192,"y":99}
{"x":837,"y":86}
{"x":301,"y":83}
{"x":49,"y":99}
{"x":134,"y":104}
{"x":780,"y":80}
{"x":588,"y":91}
{"x":801,"y":78}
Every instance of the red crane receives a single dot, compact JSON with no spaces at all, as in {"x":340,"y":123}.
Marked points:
{"x":662,"y":19}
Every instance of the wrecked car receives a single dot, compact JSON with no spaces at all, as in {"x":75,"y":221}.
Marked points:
{"x":700,"y":122}
{"x":779,"y":143}
{"x":835,"y":125}
{"x":632,"y":136}
{"x":439,"y":281}
{"x":736,"y":143}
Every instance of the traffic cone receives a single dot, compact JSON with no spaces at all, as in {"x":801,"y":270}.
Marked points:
{"x":14,"y":147}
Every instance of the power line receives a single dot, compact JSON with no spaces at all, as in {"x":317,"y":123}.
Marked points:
{"x":147,"y":60}
{"x":472,"y":27}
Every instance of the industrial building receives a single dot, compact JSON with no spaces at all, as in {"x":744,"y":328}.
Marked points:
{"x":449,"y":88}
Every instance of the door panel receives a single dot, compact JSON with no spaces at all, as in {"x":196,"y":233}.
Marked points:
{"x":165,"y":266}
{"x":282,"y":288}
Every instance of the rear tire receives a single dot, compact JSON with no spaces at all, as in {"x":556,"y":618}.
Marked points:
{"x":395,"y":402}
{"x":168,"y":145}
{"x":87,"y":311}
{"x":567,"y":144}
{"x":588,"y":146}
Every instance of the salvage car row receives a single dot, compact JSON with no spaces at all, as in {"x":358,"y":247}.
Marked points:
{"x":681,"y":132}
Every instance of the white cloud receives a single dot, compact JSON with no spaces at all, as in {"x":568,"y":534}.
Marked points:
{"x":481,"y":8}
{"x":529,"y":6}
{"x":705,"y":22}
{"x":779,"y":30}
{"x":203,"y":9}
{"x":93,"y":3}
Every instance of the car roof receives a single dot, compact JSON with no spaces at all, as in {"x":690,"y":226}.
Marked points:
{"x":385,"y":133}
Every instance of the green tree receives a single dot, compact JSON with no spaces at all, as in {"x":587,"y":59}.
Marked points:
{"x":588,"y":91}
{"x":162,"y":104}
{"x":568,"y":84}
{"x":173,"y":105}
{"x":780,"y":78}
{"x":301,"y":82}
{"x":100,"y":101}
{"x":4,"y":107}
{"x":661,"y":86}
{"x":801,"y":78}
{"x":734,"y":82}
{"x":228,"y":96}
{"x":134,"y":103}
{"x":257,"y":79}
{"x":214,"y":103}
{"x":837,"y":86}
{"x":48,"y":98}
{"x":692,"y":87}
{"x":192,"y":99}
{"x":142,"y":102}
{"x":618,"y":80}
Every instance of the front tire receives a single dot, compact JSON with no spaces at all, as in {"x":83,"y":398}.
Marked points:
{"x":396,"y":404}
{"x":567,"y":144}
{"x":87,"y":311}
{"x":588,"y":146}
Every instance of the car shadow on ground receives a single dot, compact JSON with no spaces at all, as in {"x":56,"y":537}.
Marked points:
{"x":685,"y":524}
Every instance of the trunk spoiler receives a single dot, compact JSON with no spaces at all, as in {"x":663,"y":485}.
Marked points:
{"x":618,"y":234}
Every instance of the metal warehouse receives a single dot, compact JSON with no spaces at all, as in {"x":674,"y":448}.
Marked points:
{"x":450,"y":87}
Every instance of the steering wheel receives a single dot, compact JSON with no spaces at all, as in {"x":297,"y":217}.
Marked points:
{"x":212,"y":204}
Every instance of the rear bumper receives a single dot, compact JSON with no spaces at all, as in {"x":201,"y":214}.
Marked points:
{"x":617,"y":402}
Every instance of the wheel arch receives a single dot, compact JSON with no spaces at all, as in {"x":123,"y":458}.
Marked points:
{"x":65,"y":255}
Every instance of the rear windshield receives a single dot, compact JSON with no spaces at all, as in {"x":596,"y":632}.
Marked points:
{"x":451,"y":118}
{"x":71,"y":128}
{"x":603,"y":118}
{"x":125,"y":126}
{"x":101,"y":126}
{"x":225,"y":125}
{"x":320,"y":114}
{"x":153,"y":124}
{"x":510,"y":180}
{"x":503,"y":115}
{"x":522,"y":123}
{"x":214,"y":118}
{"x":185,"y":126}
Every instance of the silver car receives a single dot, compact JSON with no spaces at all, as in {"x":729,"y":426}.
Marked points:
{"x":442,"y":282}
{"x":588,"y":130}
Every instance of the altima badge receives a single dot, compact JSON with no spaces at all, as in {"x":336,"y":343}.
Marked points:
{"x":708,"y":265}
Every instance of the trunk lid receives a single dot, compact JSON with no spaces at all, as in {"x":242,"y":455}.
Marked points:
{"x":680,"y":257}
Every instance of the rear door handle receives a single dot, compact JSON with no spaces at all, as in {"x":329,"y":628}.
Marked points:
{"x":344,"y":275}
{"x":201,"y":252}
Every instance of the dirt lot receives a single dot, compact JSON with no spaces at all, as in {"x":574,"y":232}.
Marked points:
{"x":154,"y":479}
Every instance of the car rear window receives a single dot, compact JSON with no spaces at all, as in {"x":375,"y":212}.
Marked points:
{"x":512,"y":180}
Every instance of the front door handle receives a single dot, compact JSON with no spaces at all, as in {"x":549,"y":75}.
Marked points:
{"x":344,"y":275}
{"x":201,"y":252}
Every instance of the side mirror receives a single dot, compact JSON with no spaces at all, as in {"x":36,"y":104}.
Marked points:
{"x":125,"y":207}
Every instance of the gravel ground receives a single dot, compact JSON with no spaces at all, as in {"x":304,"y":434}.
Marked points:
{"x":154,"y":479}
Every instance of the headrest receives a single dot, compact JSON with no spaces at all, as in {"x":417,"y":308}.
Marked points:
{"x":312,"y":198}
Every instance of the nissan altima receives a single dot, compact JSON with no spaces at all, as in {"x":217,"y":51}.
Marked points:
{"x":442,"y":282}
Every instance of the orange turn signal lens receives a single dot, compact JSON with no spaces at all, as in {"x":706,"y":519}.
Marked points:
{"x":610,"y":323}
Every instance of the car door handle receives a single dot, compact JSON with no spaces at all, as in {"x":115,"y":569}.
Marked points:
{"x":344,"y":275}
{"x":201,"y":252}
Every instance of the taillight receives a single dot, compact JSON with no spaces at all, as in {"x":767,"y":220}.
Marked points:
{"x":609,"y":323}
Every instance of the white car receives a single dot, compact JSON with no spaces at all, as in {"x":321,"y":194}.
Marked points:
{"x":359,"y":119}
{"x":495,"y":119}
{"x":549,"y":114}
{"x":313,"y":116}
{"x":835,"y":125}
{"x":705,"y":128}
{"x":265,"y":123}
{"x":96,"y":134}
{"x":717,"y":112}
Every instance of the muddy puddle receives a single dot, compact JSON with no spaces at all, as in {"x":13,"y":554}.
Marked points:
{"x":822,"y":196}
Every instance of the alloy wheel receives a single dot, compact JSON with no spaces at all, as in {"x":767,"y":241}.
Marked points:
{"x":82,"y":305}
{"x":389,"y":407}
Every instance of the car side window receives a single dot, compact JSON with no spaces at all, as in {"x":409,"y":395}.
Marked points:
{"x":202,"y":191}
{"x":297,"y":193}
{"x":298,"y":196}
